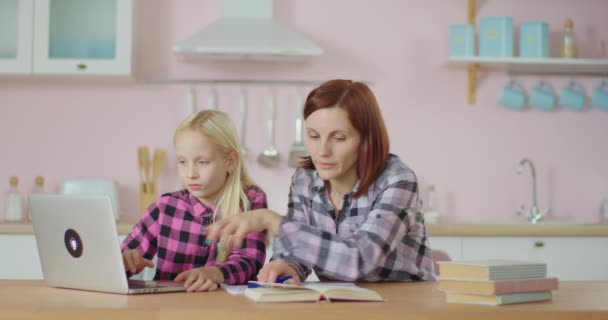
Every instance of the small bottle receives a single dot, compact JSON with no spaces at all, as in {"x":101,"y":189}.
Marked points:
{"x":568,"y":45}
{"x":431,"y":215}
{"x":38,"y":189}
{"x":13,"y":205}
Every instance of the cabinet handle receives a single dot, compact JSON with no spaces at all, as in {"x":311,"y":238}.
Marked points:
{"x":81,"y":66}
{"x":539,"y":244}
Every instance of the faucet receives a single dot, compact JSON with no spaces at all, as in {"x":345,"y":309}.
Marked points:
{"x":535,"y":214}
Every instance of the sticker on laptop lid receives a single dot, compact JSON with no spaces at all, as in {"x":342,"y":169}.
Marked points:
{"x":73,"y":243}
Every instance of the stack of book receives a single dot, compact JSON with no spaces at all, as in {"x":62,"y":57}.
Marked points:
{"x":495,"y":282}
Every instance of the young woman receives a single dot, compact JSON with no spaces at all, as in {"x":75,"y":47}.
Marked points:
{"x":354,"y":210}
{"x":216,"y":185}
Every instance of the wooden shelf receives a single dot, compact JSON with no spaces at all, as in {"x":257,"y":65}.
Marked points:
{"x":545,"y":66}
{"x":516,"y":65}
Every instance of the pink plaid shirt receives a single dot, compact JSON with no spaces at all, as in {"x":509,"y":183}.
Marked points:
{"x":171,"y":229}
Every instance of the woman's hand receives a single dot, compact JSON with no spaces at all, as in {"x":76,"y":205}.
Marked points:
{"x":276,"y":269}
{"x":134,"y":262}
{"x":201,"y":279}
{"x":239,"y":225}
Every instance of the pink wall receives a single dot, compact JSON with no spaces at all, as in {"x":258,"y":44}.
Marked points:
{"x":72,"y":127}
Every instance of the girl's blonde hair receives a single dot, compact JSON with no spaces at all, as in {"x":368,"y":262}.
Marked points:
{"x":217,"y":126}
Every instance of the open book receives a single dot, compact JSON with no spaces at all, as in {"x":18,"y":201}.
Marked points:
{"x":310,"y":291}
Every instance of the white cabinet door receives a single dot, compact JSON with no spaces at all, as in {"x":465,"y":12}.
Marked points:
{"x":575,"y":258}
{"x":16,"y":27}
{"x":568,"y":258}
{"x":83,"y":37}
{"x":19,"y":257}
{"x":450,"y":245}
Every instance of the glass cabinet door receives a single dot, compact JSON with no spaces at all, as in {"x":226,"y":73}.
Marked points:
{"x":83,"y":36}
{"x":82,"y":29}
{"x":16,"y":21}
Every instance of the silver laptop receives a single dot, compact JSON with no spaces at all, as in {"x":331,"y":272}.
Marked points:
{"x":78,"y":246}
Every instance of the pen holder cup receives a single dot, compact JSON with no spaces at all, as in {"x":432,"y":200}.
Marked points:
{"x":147,"y":196}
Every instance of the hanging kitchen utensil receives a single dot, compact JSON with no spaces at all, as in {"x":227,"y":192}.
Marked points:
{"x":158,"y":163}
{"x":190,"y":101}
{"x":212,"y":101}
{"x":146,"y":192}
{"x":243,"y":120}
{"x":297,"y":151}
{"x":270,"y":155}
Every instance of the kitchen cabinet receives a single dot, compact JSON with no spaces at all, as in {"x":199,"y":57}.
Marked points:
{"x":16,"y":32}
{"x":568,"y":258}
{"x":66,"y":37}
{"x":450,"y":245}
{"x":20,"y":258}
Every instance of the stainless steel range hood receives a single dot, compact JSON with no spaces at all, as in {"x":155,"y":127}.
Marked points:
{"x":246,"y":31}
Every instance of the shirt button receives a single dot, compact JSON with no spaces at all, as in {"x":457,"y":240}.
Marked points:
{"x":378,"y":216}
{"x":285,"y":254}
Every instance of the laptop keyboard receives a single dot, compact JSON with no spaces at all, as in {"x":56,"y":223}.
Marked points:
{"x":142,"y":284}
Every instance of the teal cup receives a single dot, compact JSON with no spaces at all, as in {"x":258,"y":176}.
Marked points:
{"x":600,"y":96}
{"x":572,"y":96}
{"x":513,"y":96}
{"x":542,"y":96}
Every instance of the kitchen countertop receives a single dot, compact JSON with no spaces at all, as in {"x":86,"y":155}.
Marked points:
{"x":485,"y":229}
{"x":522,"y":229}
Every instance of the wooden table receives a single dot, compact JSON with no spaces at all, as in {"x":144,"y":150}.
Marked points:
{"x":27,"y":299}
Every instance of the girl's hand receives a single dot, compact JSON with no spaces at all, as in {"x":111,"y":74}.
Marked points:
{"x":237,"y":226}
{"x":134,"y":262}
{"x":276,"y":269}
{"x":201,"y":279}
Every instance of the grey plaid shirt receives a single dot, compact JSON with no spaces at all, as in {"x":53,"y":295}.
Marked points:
{"x":378,"y":237}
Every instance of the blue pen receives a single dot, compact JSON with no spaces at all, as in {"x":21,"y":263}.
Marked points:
{"x":279,"y":280}
{"x":283,"y":279}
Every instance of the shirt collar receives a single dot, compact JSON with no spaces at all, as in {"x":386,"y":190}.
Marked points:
{"x":198,"y":209}
{"x":318,"y":184}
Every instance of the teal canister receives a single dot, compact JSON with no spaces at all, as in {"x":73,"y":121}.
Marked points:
{"x":496,"y":37}
{"x":534,"y":39}
{"x":462,"y":40}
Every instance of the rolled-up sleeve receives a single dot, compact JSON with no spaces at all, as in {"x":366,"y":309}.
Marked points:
{"x":282,"y":245}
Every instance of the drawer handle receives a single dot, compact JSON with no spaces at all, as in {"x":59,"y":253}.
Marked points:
{"x":81,"y":66}
{"x":539,"y":244}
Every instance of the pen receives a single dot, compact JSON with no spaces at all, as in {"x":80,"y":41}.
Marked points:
{"x":283,"y":279}
{"x":269,"y":285}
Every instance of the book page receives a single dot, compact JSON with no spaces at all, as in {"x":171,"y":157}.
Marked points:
{"x":235,"y":290}
{"x":344,"y":291}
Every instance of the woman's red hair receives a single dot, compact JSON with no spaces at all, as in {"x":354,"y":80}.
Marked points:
{"x":364,"y":114}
